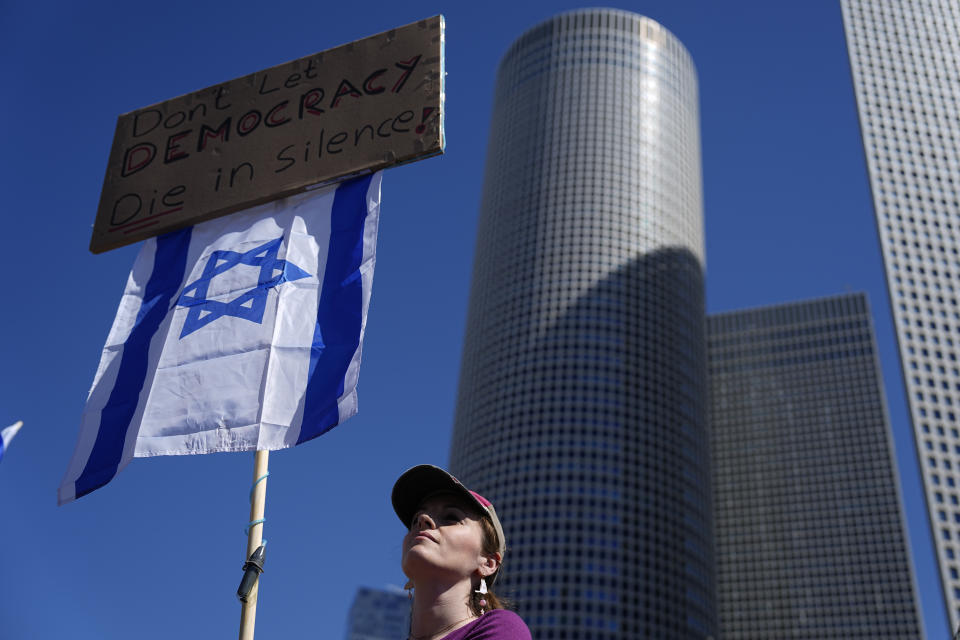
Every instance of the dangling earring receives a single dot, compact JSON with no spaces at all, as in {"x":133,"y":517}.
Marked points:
{"x":482,"y":590}
{"x":409,"y":587}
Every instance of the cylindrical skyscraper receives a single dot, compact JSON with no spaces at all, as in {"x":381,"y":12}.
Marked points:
{"x":581,"y":407}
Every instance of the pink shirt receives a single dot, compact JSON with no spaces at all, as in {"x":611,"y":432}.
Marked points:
{"x":499,"y":624}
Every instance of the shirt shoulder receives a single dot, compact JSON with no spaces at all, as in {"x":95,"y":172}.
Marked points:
{"x":499,"y":624}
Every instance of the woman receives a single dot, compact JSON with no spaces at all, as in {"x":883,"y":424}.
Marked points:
{"x":452,"y":554}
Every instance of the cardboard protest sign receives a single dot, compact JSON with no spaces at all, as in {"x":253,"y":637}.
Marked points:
{"x":360,"y":107}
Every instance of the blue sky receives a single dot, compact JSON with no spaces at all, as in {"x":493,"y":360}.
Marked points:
{"x":157,"y":552}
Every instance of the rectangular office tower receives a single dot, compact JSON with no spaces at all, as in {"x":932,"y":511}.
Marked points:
{"x":810,"y":538}
{"x":904,"y":58}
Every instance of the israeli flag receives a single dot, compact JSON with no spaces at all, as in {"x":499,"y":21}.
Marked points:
{"x":6,"y":435}
{"x":238,"y":334}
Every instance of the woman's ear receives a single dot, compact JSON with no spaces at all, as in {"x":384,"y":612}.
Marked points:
{"x":489,"y":565}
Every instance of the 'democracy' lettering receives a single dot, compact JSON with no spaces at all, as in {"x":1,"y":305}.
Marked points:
{"x":345,"y":89}
{"x":137,"y":157}
{"x":407,"y":66}
{"x":221,"y":133}
{"x":182,"y":143}
{"x":309,"y":102}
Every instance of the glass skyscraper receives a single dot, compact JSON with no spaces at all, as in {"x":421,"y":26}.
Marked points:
{"x":810,"y":534}
{"x":904,"y":58}
{"x":581,"y":406}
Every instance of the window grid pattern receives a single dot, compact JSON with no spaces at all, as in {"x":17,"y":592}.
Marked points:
{"x":903,"y":56}
{"x":581,"y":407}
{"x":810,"y":532}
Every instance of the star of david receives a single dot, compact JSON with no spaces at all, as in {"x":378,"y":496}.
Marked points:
{"x":249,"y":305}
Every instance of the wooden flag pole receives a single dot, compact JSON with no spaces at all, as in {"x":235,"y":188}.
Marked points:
{"x":258,"y":498}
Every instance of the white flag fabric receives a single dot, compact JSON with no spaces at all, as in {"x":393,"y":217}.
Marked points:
{"x":6,"y":435}
{"x":238,"y":334}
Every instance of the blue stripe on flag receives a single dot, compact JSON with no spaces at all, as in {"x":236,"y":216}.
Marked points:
{"x":1,"y":448}
{"x":339,"y":311}
{"x":169,"y":265}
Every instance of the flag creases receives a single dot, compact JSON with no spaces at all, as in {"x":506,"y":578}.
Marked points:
{"x":237,"y":334}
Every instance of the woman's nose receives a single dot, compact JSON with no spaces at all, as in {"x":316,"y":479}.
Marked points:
{"x":424,"y":521}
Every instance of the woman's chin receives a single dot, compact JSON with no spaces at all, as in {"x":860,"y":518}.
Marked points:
{"x":419,"y":566}
{"x":414,"y":563}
